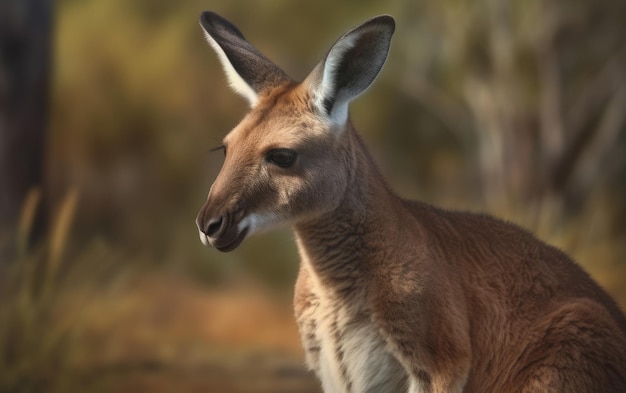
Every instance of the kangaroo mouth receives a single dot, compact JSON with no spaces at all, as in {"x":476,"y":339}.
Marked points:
{"x":228,"y":242}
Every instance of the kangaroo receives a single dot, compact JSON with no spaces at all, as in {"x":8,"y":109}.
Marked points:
{"x":395,"y":295}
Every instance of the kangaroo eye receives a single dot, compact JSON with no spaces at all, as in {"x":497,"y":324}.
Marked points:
{"x":282,"y":157}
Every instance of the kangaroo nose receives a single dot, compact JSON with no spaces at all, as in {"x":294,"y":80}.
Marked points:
{"x":214,"y":226}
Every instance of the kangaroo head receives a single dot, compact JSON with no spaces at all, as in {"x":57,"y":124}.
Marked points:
{"x":289,"y":159}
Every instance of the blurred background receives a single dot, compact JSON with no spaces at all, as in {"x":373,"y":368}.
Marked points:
{"x":108,"y":112}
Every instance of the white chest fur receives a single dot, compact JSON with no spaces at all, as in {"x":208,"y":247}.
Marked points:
{"x":345,"y":349}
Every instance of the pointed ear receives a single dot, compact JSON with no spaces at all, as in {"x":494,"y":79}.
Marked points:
{"x":247,"y":70}
{"x":350,"y":66}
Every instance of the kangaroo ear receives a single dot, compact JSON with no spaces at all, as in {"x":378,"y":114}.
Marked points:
{"x":247,"y":70}
{"x":350,"y":66}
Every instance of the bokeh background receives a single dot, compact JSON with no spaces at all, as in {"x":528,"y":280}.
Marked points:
{"x":516,"y":108}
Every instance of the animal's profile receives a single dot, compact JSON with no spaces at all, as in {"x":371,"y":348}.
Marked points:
{"x":395,"y":295}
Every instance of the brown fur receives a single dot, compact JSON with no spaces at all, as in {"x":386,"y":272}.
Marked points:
{"x":459,"y":294}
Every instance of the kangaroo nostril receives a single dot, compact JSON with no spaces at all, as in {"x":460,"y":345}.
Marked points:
{"x":214,"y":226}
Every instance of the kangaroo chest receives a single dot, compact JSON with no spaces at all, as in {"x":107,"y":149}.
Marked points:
{"x":344,"y":347}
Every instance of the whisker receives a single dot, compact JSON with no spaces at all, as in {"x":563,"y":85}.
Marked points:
{"x":217,"y":148}
{"x":221,"y":147}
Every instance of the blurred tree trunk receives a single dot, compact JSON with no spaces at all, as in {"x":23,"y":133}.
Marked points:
{"x":25,"y":43}
{"x":536,"y":88}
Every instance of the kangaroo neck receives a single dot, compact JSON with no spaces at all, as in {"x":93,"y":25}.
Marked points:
{"x":344,"y":242}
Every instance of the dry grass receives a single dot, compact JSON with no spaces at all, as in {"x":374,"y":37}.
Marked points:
{"x":168,"y":333}
{"x":158,"y":333}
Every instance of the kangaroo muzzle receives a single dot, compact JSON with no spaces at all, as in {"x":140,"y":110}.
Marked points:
{"x":222,"y":230}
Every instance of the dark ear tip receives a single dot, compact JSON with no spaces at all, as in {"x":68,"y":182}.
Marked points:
{"x":214,"y":24}
{"x":207,"y":18}
{"x":386,"y":20}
